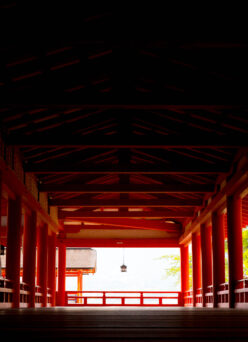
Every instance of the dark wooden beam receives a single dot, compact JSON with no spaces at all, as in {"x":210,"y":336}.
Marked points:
{"x":127,"y":188}
{"x":78,"y":202}
{"x":187,"y":212}
{"x":190,"y":168}
{"x":150,"y":141}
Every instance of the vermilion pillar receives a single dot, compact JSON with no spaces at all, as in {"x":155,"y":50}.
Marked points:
{"x":42,"y":262}
{"x":61,"y":274}
{"x":80,"y":284}
{"x":14,"y":247}
{"x":52,"y":265}
{"x":235,"y":248}
{"x":206,"y":259}
{"x":196,"y":265}
{"x":218,"y":252}
{"x":184,"y":250}
{"x":29,"y":254}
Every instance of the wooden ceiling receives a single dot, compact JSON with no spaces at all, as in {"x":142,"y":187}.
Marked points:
{"x":117,"y":129}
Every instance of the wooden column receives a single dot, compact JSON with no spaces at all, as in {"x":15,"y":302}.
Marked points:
{"x":61,"y":274}
{"x":206,"y":260}
{"x":29,"y":254}
{"x":218,"y":252}
{"x":14,"y":247}
{"x":80,"y":285}
{"x":235,"y":248}
{"x":184,"y":251}
{"x":52,"y":265}
{"x":42,"y":262}
{"x":196,"y":265}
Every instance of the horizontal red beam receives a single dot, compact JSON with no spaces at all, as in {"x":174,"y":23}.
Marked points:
{"x":127,"y":188}
{"x":173,"y":202}
{"x":120,"y":243}
{"x":156,"y":214}
{"x":128,"y":169}
{"x":165,"y":142}
{"x":166,"y":227}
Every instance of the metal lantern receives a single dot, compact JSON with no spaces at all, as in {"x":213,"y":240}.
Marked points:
{"x":123,"y":266}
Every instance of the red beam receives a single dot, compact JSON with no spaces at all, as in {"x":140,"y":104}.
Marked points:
{"x":127,"y":188}
{"x":159,"y":214}
{"x":128,"y":169}
{"x":120,"y":243}
{"x":131,"y":223}
{"x":78,"y":202}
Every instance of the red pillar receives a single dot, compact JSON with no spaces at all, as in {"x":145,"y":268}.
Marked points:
{"x":61,"y":274}
{"x":29,"y":254}
{"x":206,"y":258}
{"x":80,"y":285}
{"x":42,"y":262}
{"x":196,"y":265}
{"x":52,"y":265}
{"x":218,"y":252}
{"x":235,"y":248}
{"x":184,"y":251}
{"x":14,"y":247}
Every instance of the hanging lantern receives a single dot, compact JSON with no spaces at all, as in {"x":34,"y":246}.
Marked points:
{"x":123,"y":266}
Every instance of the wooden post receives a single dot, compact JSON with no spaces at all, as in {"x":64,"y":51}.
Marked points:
{"x":61,"y":273}
{"x":14,"y":247}
{"x":29,"y":254}
{"x":196,"y":265}
{"x":52,"y":265}
{"x":184,"y":251}
{"x":218,"y":252}
{"x":42,"y":262}
{"x":206,"y":258}
{"x":80,"y":285}
{"x":235,"y":248}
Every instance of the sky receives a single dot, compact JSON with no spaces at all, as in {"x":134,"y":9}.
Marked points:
{"x":145,"y":271}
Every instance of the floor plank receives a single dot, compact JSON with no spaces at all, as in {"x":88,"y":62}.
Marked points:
{"x":124,"y":324}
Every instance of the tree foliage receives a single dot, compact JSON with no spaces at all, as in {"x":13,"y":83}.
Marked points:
{"x":173,"y":262}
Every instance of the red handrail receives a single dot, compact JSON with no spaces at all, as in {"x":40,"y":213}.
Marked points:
{"x":123,"y":298}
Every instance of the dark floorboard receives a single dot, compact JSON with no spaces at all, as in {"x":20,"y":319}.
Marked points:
{"x":127,"y":324}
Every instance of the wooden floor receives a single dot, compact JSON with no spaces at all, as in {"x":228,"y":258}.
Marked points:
{"x":124,"y":324}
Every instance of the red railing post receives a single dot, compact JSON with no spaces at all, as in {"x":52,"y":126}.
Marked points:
{"x":142,"y":298}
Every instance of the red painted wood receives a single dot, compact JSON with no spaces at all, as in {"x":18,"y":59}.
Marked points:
{"x":235,"y":248}
{"x":206,"y":260}
{"x":80,"y":298}
{"x":52,"y":265}
{"x":42,"y":262}
{"x":13,"y":247}
{"x":196,"y":265}
{"x":218,"y":252}
{"x":184,"y":250}
{"x":131,"y":243}
{"x":61,"y":275}
{"x":29,"y":254}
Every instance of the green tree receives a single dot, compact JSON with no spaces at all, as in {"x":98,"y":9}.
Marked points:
{"x":173,"y":267}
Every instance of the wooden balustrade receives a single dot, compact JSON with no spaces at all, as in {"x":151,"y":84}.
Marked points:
{"x":24,"y":295}
{"x":188,"y":298}
{"x":241,"y":294}
{"x":198,"y":295}
{"x":209,"y":297}
{"x":6,"y":293}
{"x":123,"y":298}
